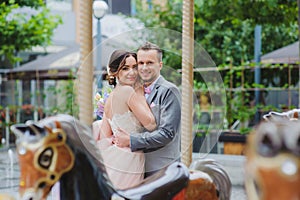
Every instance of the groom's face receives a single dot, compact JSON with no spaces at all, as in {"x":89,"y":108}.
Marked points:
{"x":149,"y":65}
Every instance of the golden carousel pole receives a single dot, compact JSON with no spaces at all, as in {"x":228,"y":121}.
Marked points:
{"x":187,"y":81}
{"x":86,"y":70}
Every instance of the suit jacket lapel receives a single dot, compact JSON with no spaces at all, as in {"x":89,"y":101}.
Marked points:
{"x":154,"y":92}
{"x":152,"y":95}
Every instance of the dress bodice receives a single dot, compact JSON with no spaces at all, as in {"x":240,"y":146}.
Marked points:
{"x":126,"y":121}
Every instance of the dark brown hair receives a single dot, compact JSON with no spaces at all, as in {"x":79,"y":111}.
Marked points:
{"x":116,"y":62}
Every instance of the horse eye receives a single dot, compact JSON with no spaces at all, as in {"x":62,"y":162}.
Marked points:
{"x":267,"y":146}
{"x":45,"y":158}
{"x":60,"y":137}
{"x":42,"y":184}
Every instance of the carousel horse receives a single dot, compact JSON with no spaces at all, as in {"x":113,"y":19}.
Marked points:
{"x":273,"y":158}
{"x":60,"y":148}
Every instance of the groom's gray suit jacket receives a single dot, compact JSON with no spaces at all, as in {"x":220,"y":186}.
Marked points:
{"x":162,"y":146}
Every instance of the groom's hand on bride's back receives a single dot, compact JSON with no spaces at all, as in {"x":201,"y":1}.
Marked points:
{"x":122,"y":139}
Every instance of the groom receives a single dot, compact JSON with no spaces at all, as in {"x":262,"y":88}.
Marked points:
{"x":162,"y":146}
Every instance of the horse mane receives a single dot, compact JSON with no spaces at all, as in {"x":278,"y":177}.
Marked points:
{"x":88,"y":177}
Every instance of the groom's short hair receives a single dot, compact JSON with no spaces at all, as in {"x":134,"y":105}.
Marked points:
{"x":150,"y":46}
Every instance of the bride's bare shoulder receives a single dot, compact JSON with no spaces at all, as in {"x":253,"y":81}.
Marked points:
{"x":126,"y":89}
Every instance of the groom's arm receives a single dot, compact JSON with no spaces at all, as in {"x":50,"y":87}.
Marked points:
{"x":168,"y":124}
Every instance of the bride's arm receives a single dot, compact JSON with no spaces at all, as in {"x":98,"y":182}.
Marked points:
{"x":96,"y":126}
{"x":138,"y":105}
{"x":105,"y":131}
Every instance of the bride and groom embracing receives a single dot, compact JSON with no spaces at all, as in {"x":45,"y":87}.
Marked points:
{"x":140,"y":128}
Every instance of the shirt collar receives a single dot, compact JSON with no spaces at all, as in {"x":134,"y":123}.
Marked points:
{"x":153,"y":83}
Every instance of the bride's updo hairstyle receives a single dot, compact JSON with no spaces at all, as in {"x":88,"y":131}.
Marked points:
{"x":116,"y":62}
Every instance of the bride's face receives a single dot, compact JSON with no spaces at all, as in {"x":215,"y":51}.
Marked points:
{"x":128,"y":73}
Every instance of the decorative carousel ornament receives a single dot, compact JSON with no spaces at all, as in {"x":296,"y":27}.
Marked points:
{"x":273,"y":158}
{"x":60,"y":148}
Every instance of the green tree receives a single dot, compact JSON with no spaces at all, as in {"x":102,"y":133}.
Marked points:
{"x":226,"y":28}
{"x":23,"y":25}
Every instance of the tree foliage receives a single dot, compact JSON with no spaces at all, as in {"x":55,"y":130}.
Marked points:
{"x":30,"y":3}
{"x":227,"y":28}
{"x":23,"y":25}
{"x":275,"y":12}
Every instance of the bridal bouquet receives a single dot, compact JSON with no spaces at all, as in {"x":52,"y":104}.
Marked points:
{"x":100,"y":101}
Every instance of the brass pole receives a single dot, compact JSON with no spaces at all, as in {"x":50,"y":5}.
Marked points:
{"x":86,"y":69}
{"x":187,"y":81}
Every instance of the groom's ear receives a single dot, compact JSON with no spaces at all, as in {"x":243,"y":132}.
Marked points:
{"x":161,"y":64}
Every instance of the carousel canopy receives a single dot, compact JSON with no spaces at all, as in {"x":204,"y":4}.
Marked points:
{"x":60,"y":64}
{"x":57,"y":65}
{"x":285,"y":55}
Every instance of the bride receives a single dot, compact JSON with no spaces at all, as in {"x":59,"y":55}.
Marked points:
{"x":125,"y":108}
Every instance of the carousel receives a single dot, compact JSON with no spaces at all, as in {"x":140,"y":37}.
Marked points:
{"x":60,"y":152}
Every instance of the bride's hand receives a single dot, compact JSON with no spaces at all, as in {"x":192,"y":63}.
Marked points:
{"x":122,"y":139}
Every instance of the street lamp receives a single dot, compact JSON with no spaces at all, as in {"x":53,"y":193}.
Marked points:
{"x":100,"y":8}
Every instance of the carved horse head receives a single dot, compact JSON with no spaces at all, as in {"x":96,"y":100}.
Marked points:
{"x":46,"y":155}
{"x":273,"y":158}
{"x":59,"y":148}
